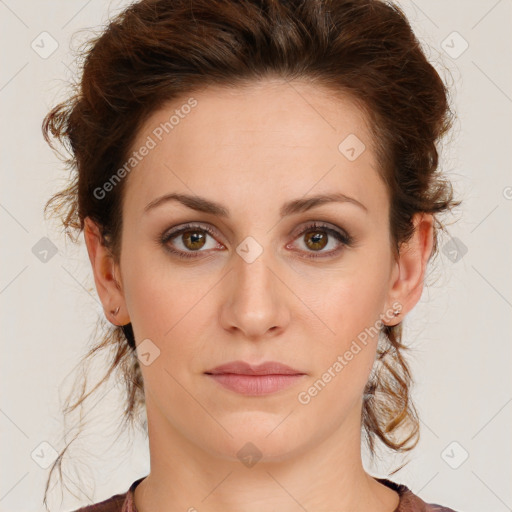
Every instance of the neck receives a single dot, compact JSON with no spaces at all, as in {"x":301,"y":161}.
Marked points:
{"x":326,"y":476}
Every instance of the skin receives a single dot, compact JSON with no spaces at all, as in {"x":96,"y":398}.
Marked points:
{"x":253,"y":149}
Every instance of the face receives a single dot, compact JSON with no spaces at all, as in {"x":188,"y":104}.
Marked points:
{"x":270,"y":276}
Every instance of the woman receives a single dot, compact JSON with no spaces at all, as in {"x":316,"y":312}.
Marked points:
{"x":258,"y":189}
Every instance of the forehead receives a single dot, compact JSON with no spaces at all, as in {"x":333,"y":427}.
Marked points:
{"x":273,"y":136}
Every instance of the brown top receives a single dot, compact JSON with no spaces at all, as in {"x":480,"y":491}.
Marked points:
{"x":409,"y":502}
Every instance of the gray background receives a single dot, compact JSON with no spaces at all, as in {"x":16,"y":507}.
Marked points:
{"x":460,"y":331}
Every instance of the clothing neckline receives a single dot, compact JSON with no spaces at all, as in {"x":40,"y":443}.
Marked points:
{"x":405,"y":495}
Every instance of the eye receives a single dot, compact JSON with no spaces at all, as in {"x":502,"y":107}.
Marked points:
{"x":315,"y":237}
{"x":191,"y":237}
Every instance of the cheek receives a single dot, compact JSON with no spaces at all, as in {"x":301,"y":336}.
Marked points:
{"x":153,"y":290}
{"x":342,"y":358}
{"x":169,"y":305}
{"x":350,"y":307}
{"x":351,"y":298}
{"x":148,"y":302}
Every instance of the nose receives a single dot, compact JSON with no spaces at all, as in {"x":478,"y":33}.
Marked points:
{"x":256,"y":303}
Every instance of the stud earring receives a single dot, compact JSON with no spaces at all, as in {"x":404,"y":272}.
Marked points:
{"x":396,"y":311}
{"x":115,"y":311}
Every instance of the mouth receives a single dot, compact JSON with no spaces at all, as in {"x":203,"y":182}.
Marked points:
{"x":254,"y":380}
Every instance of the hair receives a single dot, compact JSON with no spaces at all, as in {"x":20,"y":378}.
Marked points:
{"x":157,"y":51}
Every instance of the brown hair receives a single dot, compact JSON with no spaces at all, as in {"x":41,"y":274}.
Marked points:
{"x":157,"y":50}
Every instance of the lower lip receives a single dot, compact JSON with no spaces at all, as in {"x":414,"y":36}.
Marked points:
{"x":255,"y":384}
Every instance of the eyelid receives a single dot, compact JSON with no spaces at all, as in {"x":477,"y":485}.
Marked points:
{"x":318,"y":224}
{"x":189,"y":226}
{"x":343,"y":237}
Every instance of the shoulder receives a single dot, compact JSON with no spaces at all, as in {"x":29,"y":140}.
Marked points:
{"x":113,"y":504}
{"x":118,"y":503}
{"x":410,"y":502}
{"x":433,"y":507}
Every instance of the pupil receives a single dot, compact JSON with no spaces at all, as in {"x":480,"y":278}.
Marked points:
{"x":193,"y":237}
{"x":318,"y":238}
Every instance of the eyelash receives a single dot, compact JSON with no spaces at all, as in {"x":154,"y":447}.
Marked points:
{"x":344,"y":238}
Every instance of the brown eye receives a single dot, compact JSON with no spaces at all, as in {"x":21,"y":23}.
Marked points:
{"x":189,"y":241}
{"x":193,"y":239}
{"x":316,"y":240}
{"x":316,"y":237}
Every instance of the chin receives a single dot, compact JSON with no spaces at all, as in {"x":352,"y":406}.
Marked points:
{"x":260,"y":437}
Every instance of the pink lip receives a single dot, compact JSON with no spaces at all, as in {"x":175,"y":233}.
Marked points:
{"x":243,"y":368}
{"x":247,"y":379}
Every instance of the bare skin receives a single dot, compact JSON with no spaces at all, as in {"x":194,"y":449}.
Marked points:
{"x":252,"y":150}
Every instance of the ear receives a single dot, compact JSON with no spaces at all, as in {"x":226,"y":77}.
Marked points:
{"x":409,"y":273}
{"x":109,"y":288}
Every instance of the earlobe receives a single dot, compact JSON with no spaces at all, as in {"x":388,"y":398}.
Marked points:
{"x":104,"y":269}
{"x":413,"y":258}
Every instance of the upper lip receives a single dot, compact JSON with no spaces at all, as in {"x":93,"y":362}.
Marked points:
{"x":243,"y":368}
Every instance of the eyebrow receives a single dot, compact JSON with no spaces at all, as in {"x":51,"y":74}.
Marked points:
{"x":204,"y":205}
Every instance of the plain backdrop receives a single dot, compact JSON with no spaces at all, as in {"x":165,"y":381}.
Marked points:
{"x":460,"y":332}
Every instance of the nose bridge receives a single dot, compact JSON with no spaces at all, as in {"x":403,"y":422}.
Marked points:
{"x":254,"y":305}
{"x":252,"y":274}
